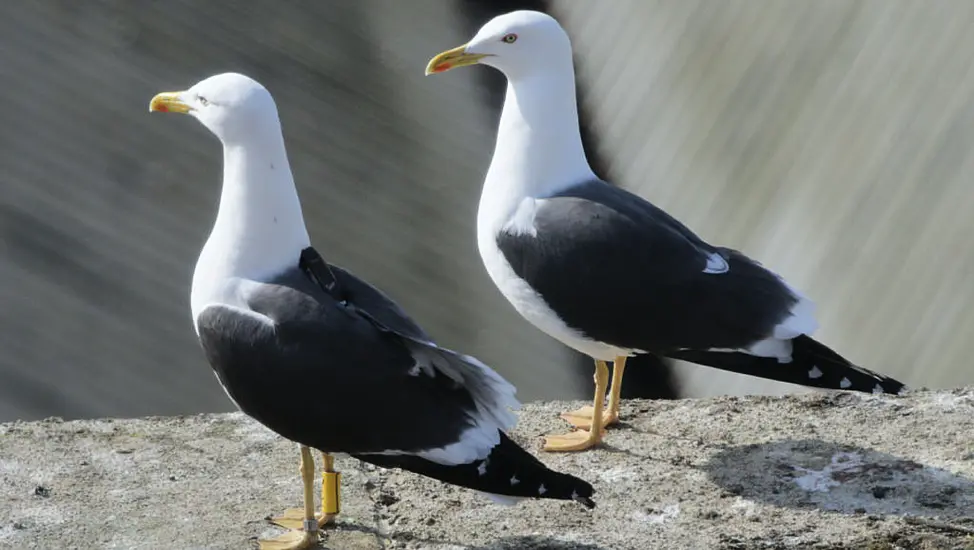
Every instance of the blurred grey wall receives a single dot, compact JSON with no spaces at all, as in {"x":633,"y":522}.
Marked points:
{"x":831,"y":140}
{"x":104,"y":207}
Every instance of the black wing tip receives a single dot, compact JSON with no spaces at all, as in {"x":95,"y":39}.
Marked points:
{"x":818,"y":353}
{"x":874,"y":383}
{"x":813,"y":365}
{"x":891,"y":386}
{"x":585,"y":501}
{"x":582,"y":492}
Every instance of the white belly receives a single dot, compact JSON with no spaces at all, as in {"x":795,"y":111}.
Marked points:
{"x":532,"y":306}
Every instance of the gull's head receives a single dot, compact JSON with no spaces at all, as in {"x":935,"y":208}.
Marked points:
{"x":516,"y":43}
{"x":230,"y":105}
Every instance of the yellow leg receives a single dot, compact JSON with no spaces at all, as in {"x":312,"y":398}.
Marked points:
{"x":331,"y":490}
{"x":330,"y":499}
{"x":581,"y":440}
{"x":582,"y":418}
{"x":300,"y":539}
{"x":615,"y":392}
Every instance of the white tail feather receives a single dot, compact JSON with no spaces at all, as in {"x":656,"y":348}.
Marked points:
{"x":800,"y":321}
{"x":492,"y":394}
{"x":503,"y":500}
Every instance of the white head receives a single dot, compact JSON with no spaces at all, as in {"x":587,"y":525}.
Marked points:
{"x":230,"y":105}
{"x":518,"y":43}
{"x":259,"y":230}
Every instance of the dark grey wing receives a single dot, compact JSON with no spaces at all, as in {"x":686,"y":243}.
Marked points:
{"x":378,"y":305}
{"x":489,"y":390}
{"x":620,"y":270}
{"x":320,"y":373}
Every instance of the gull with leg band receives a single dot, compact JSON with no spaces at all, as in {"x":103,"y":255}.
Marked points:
{"x":320,"y":356}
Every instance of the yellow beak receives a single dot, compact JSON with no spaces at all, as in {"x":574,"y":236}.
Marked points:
{"x":451,"y":59}
{"x":168,"y":102}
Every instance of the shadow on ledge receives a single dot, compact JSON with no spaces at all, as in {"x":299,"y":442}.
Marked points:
{"x":537,"y":542}
{"x":812,"y":473}
{"x":527,"y":542}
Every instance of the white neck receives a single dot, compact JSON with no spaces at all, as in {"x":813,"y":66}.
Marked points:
{"x":539,"y":147}
{"x":259,"y":229}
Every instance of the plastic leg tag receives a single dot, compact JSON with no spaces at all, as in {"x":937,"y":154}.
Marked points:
{"x":331,"y":493}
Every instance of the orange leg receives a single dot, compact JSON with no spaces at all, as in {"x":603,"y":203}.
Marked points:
{"x":581,"y":440}
{"x":582,"y":418}
{"x":299,"y":520}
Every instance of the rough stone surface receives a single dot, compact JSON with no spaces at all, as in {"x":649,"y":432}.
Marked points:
{"x":819,"y":470}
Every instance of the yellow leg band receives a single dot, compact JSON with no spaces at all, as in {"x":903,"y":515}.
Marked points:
{"x":331,"y":492}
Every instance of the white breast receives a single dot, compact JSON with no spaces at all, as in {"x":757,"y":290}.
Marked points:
{"x":532,"y":306}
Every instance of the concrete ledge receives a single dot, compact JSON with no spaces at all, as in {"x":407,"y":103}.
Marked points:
{"x":819,"y":470}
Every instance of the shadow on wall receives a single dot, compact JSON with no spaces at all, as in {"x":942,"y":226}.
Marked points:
{"x":649,"y":376}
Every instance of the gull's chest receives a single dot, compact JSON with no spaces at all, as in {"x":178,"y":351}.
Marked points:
{"x":532,"y":306}
{"x":222,"y":275}
{"x":517,"y":291}
{"x":519,"y":217}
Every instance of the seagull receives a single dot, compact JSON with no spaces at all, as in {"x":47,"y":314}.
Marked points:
{"x":607,"y":272}
{"x":320,"y":356}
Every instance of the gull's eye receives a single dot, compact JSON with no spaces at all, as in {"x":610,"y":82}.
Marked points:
{"x":203,"y":100}
{"x":509,"y":38}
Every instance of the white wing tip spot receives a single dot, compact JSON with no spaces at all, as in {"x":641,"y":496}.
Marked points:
{"x":542,"y":489}
{"x":514,"y":480}
{"x":716,"y":264}
{"x":878,"y":388}
{"x":844,"y":383}
{"x":814,"y":373}
{"x":482,"y":469}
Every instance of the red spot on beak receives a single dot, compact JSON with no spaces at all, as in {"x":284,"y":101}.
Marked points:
{"x":442,"y":67}
{"x":162,"y":108}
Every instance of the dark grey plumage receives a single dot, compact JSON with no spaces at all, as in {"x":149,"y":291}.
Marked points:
{"x":388,"y":393}
{"x":621,"y":271}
